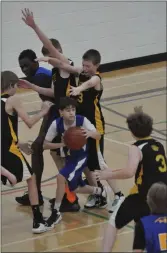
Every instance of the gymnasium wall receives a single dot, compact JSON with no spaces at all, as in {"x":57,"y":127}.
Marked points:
{"x":119,"y":30}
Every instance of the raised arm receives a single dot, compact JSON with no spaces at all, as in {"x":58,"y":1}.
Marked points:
{"x":29,"y":20}
{"x":61,"y":65}
{"x":16,"y":104}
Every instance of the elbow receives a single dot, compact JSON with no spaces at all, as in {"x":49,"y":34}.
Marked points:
{"x":129,"y":174}
{"x":30,"y":125}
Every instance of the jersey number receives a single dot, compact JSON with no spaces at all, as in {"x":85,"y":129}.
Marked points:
{"x":80,"y":98}
{"x":163,"y":241}
{"x":162,"y":167}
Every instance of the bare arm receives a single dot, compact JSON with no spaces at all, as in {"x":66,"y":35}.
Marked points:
{"x":129,"y":171}
{"x":90,"y":131}
{"x":29,"y":20}
{"x":61,"y":65}
{"x":93,"y":82}
{"x":49,"y":92}
{"x":29,"y":121}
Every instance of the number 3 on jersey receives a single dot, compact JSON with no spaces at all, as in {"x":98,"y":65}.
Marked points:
{"x":163,"y":241}
{"x":163,"y":166}
{"x":80,"y":98}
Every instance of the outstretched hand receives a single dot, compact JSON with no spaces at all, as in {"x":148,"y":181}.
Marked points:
{"x":28,"y":17}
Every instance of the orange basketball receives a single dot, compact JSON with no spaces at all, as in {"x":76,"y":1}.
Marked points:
{"x":74,"y":138}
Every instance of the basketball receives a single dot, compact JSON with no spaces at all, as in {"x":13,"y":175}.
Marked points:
{"x":74,"y":138}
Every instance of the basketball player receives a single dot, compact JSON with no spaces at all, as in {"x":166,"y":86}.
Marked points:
{"x":12,"y":159}
{"x":61,"y":84}
{"x":75,"y":159}
{"x":147,"y":162}
{"x":90,"y":90}
{"x":87,"y":109}
{"x":40,"y":77}
{"x":151,"y":231}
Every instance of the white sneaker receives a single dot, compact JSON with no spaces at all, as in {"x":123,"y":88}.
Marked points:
{"x":38,"y":228}
{"x":116,"y":203}
{"x":91,"y":201}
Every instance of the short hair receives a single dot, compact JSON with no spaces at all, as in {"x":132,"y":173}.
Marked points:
{"x":139,"y":123}
{"x":157,"y":198}
{"x":28,"y":53}
{"x":93,"y":56}
{"x":8,"y":79}
{"x":55,"y":43}
{"x":66,"y":102}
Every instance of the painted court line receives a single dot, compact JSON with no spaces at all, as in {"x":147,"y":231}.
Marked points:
{"x":52,"y":234}
{"x":131,"y":84}
{"x":84,"y":242}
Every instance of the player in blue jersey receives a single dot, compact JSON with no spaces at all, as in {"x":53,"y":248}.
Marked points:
{"x":75,"y":160}
{"x":151,"y":231}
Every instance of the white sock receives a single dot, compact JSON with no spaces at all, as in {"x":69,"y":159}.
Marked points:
{"x":57,"y":206}
{"x":97,"y":190}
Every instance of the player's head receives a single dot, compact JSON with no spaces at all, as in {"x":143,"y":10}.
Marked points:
{"x":56,"y":44}
{"x":67,"y":108}
{"x":91,"y":61}
{"x":27,"y":62}
{"x":157,"y":198}
{"x":140,"y":124}
{"x":9,"y":82}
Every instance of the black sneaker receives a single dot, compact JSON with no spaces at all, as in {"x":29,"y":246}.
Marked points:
{"x":66,"y":206}
{"x":101,"y":200}
{"x":24,"y":200}
{"x":53,"y":219}
{"x":39,"y":227}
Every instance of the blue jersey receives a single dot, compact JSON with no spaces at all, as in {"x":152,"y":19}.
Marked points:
{"x":155,"y":230}
{"x":45,"y":71}
{"x":60,"y":131}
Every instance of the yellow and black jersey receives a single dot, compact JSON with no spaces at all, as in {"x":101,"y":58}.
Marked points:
{"x":9,"y":125}
{"x":152,"y":168}
{"x":89,"y":103}
{"x":11,"y":157}
{"x":62,"y":85}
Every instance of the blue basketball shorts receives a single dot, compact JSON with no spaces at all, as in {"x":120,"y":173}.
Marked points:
{"x":72,"y":171}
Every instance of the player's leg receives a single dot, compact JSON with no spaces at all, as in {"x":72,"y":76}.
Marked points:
{"x":37,"y":162}
{"x":16,"y":164}
{"x":132,"y":208}
{"x":70,"y":172}
{"x":70,"y":200}
{"x":95,"y":161}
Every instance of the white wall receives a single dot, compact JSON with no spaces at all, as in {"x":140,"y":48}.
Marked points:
{"x":119,"y":30}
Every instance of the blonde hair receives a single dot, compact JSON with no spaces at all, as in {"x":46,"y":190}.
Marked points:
{"x":157,"y":198}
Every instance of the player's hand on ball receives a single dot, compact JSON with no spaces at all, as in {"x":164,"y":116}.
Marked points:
{"x":74,"y":91}
{"x":86,"y":133}
{"x":28,"y":17}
